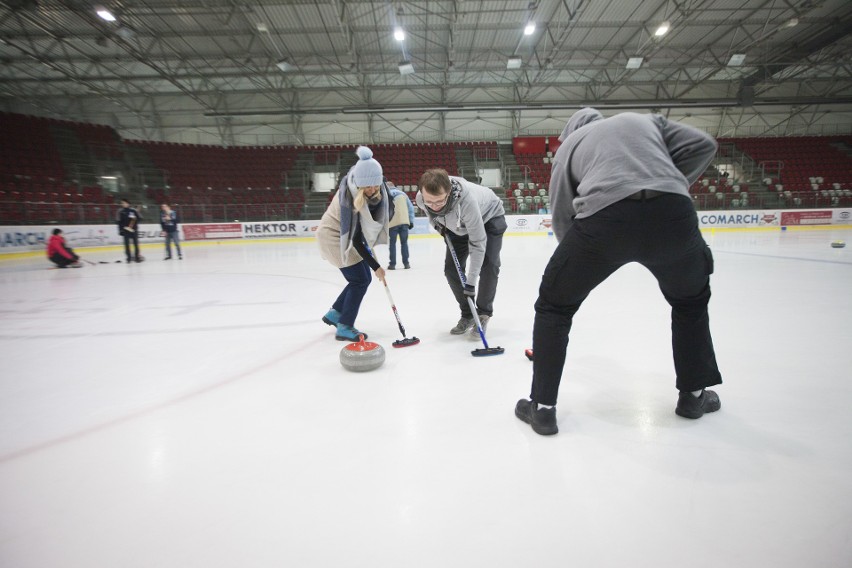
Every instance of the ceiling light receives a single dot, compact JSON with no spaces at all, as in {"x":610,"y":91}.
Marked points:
{"x":530,"y":29}
{"x":736,"y":60}
{"x":262,"y":27}
{"x":104,"y":14}
{"x":514,"y":62}
{"x":399,"y":34}
{"x":406,"y":68}
{"x":663,"y":29}
{"x":125,"y":32}
{"x":791,"y":23}
{"x":284,"y":65}
{"x":635,"y":62}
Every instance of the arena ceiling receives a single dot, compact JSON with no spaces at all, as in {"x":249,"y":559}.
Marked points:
{"x":324,"y":71}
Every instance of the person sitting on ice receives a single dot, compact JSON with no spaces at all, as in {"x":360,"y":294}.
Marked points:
{"x":356,"y":221}
{"x":60,"y":253}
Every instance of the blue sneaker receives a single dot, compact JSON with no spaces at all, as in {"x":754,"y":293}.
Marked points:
{"x":348,"y":333}
{"x":332,"y":317}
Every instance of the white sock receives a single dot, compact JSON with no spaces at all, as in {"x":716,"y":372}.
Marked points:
{"x":697,"y":393}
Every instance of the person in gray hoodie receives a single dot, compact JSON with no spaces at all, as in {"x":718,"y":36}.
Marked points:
{"x":619,"y":194}
{"x":473,"y":218}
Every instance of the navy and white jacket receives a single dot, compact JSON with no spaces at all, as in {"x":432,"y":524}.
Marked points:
{"x":169,"y":221}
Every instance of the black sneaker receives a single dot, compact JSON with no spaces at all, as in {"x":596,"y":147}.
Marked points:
{"x":690,"y":406}
{"x":391,"y":267}
{"x":167,"y":258}
{"x":542,"y":420}
{"x":407,"y":266}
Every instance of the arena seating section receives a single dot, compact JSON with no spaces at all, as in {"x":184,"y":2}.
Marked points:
{"x":34,"y":186}
{"x":37,"y":186}
{"x":811,"y":171}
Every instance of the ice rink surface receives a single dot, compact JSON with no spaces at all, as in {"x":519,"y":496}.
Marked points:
{"x":194,"y":414}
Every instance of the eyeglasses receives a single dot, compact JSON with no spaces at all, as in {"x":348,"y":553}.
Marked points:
{"x":435,"y":205}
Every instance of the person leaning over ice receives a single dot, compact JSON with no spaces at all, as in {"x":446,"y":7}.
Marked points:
{"x":619,"y":194}
{"x":474,"y":219}
{"x":356,"y":221}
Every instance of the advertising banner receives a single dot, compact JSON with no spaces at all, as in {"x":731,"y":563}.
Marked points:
{"x":278,"y":229}
{"x":841,"y":217}
{"x":815,"y":217}
{"x":35,"y":237}
{"x":208,"y":231}
{"x":760,"y":218}
{"x":527,"y":223}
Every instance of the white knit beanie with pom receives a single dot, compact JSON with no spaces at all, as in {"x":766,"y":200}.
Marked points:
{"x":367,"y":171}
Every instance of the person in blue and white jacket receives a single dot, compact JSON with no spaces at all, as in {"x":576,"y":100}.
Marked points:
{"x":474,"y":219}
{"x":400,"y":223}
{"x":169,"y":224}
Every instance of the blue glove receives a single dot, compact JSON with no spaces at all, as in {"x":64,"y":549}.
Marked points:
{"x":469,"y":291}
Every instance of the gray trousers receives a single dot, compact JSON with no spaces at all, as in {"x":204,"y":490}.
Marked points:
{"x":486,"y":288}
{"x":172,"y":236}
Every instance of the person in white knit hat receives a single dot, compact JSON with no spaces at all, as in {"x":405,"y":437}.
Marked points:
{"x":356,"y":221}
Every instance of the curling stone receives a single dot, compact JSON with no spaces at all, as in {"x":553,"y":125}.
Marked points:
{"x":838,"y":244}
{"x":362,"y":356}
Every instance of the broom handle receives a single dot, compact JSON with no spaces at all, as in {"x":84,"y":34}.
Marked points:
{"x":393,"y":307}
{"x":464,"y":283}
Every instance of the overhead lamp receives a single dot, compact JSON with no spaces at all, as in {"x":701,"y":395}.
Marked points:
{"x":125,"y":32}
{"x":399,"y":34}
{"x":406,"y":68}
{"x":530,"y":29}
{"x":791,"y":23}
{"x":514,"y":62}
{"x":284,"y":65}
{"x":104,"y":14}
{"x":736,"y":60}
{"x":635,"y":62}
{"x":662,"y":30}
{"x":262,"y":27}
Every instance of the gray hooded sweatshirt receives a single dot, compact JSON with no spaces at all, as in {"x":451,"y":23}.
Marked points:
{"x":603,"y":160}
{"x":476,"y":205}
